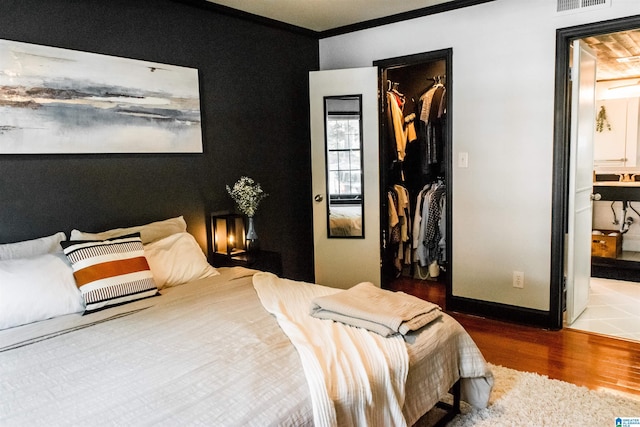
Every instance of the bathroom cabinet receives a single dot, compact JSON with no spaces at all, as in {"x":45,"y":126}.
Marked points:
{"x":616,"y":143}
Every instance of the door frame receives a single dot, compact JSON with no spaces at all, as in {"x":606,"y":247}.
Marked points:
{"x":562,"y":124}
{"x":409,"y":60}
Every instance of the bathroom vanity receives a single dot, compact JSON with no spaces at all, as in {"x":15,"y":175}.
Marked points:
{"x":624,"y":191}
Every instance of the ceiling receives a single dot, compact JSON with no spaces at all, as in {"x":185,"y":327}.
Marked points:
{"x":327,"y":15}
{"x":323,"y":15}
{"x":610,"y":47}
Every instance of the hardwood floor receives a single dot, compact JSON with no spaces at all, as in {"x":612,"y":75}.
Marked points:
{"x":582,"y":358}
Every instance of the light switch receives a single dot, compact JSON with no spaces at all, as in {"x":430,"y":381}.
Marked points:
{"x":463,"y":159}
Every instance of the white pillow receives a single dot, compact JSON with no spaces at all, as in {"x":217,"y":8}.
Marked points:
{"x":148,"y":232}
{"x":177,"y":259}
{"x":30,"y":248}
{"x":37,"y":288}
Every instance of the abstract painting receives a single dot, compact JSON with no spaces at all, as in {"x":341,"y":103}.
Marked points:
{"x":57,"y":101}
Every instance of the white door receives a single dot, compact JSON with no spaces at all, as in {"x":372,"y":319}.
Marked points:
{"x":344,"y":262}
{"x":578,"y":252}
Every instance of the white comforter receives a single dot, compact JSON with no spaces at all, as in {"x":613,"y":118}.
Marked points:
{"x":204,"y":353}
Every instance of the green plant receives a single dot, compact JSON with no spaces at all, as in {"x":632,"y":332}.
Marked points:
{"x":601,"y":120}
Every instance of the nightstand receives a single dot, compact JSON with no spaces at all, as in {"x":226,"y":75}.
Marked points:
{"x":259,"y":260}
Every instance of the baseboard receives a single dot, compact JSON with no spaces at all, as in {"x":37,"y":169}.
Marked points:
{"x":504,"y":312}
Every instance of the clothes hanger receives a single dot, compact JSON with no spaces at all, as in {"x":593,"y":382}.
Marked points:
{"x":395,"y":90}
{"x":393,"y":87}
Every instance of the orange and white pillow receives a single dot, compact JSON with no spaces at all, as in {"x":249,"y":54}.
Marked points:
{"x":110,"y":272}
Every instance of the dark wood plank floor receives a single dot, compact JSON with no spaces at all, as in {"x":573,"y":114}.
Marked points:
{"x":581,"y":358}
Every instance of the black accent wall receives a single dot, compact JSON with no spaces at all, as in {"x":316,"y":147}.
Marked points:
{"x":255,"y":118}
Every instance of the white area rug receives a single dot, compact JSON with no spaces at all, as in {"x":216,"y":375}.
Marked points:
{"x":528,"y":399}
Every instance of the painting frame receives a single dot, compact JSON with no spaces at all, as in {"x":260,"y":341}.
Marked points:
{"x":62,"y":101}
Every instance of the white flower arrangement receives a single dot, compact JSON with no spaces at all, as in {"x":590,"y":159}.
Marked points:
{"x":247,"y":194}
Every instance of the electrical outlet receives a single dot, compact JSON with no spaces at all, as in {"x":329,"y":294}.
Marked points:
{"x":518,"y":279}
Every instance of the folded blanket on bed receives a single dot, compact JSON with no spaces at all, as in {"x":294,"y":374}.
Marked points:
{"x":384,"y":312}
{"x":355,"y":377}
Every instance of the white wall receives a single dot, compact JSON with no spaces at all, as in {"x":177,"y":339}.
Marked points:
{"x":502,"y":115}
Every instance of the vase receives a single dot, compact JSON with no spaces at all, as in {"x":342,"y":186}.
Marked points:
{"x":252,"y":236}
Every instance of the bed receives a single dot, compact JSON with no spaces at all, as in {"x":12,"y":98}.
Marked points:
{"x":345,"y":220}
{"x":204,"y":351}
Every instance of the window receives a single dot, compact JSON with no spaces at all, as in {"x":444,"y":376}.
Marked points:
{"x":344,"y":163}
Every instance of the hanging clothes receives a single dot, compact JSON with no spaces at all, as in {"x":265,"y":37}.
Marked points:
{"x":395,"y":104}
{"x":414,"y":157}
{"x":393,"y":220}
{"x":430,"y":242}
{"x":399,"y":221}
{"x":410,"y":128}
{"x":394,"y":230}
{"x":430,"y":109}
{"x":403,"y":128}
{"x":404,"y":247}
{"x":417,"y":216}
{"x":442,"y":244}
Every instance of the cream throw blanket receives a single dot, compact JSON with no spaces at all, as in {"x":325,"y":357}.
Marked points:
{"x":355,"y":377}
{"x":378,"y":310}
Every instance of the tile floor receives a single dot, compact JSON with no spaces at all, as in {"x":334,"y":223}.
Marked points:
{"x":613,"y":309}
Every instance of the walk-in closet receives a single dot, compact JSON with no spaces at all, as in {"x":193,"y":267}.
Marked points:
{"x":415,"y":163}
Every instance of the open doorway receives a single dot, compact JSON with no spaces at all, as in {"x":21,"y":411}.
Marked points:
{"x":415,"y":169}
{"x":615,"y":273}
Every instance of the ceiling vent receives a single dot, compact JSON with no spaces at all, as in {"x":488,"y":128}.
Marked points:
{"x":581,"y":5}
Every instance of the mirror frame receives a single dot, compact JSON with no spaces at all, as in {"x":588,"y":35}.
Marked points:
{"x":357,"y":97}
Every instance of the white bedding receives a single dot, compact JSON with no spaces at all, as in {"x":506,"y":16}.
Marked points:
{"x":375,"y":366}
{"x":384,"y":312}
{"x":204,"y":353}
{"x":345,"y":220}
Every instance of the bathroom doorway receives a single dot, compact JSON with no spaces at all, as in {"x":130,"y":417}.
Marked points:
{"x":609,"y":308}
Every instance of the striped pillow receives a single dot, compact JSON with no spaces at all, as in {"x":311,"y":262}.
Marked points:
{"x":110,"y":272}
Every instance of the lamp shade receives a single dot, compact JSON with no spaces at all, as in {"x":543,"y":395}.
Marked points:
{"x":228,"y":234}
